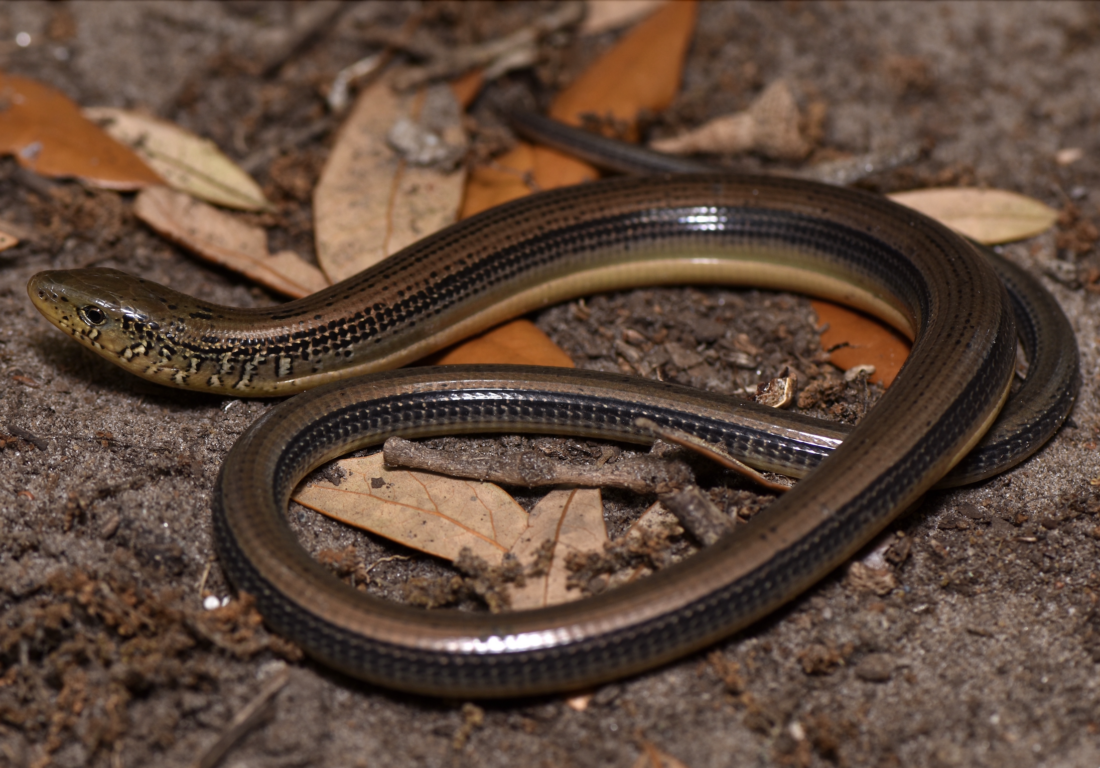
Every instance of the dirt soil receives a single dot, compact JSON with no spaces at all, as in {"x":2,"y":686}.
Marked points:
{"x":976,"y":642}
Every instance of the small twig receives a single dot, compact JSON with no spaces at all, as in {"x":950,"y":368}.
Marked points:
{"x":30,"y":437}
{"x":853,"y":169}
{"x":310,"y":19}
{"x":461,"y":60}
{"x":528,"y":469}
{"x":713,"y":452}
{"x":376,"y":563}
{"x":244,"y":720}
{"x":24,"y":234}
{"x":205,"y":575}
{"x":338,"y":93}
{"x":290,"y":143}
{"x":371,"y":65}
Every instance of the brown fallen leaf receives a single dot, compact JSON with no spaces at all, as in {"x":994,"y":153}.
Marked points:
{"x":48,"y":135}
{"x":858,"y":339}
{"x":770,"y":126}
{"x":219,"y":237}
{"x":371,"y":201}
{"x":989,"y":216}
{"x":641,"y":72}
{"x":185,"y":161}
{"x":467,"y":87}
{"x":573,"y":521}
{"x":519,"y":342}
{"x":509,"y":177}
{"x":429,"y":513}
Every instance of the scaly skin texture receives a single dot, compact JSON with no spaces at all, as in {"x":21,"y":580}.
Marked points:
{"x":779,"y":233}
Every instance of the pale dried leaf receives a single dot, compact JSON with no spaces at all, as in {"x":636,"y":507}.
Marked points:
{"x":770,"y":126}
{"x":603,"y":15}
{"x":370,"y":202}
{"x":219,"y":237}
{"x":7,"y":241}
{"x":573,"y":521}
{"x":989,"y":216}
{"x":427,"y":512}
{"x":187,"y":162}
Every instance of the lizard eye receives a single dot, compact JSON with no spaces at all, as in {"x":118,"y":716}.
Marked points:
{"x":92,"y":315}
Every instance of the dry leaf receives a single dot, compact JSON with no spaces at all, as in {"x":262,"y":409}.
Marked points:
{"x":48,"y":135}
{"x":370,"y":202}
{"x":641,"y":72}
{"x":467,"y":87}
{"x":227,"y":241}
{"x":430,"y":513}
{"x":519,"y":342}
{"x":857,"y":339}
{"x":770,"y":126}
{"x":989,"y":216}
{"x":604,"y":15}
{"x":573,"y":521}
{"x":508,"y":178}
{"x":185,"y":161}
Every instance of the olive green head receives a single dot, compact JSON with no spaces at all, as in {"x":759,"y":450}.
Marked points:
{"x":117,"y":315}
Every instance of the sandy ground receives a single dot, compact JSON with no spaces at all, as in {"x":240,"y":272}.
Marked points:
{"x":985,"y":653}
